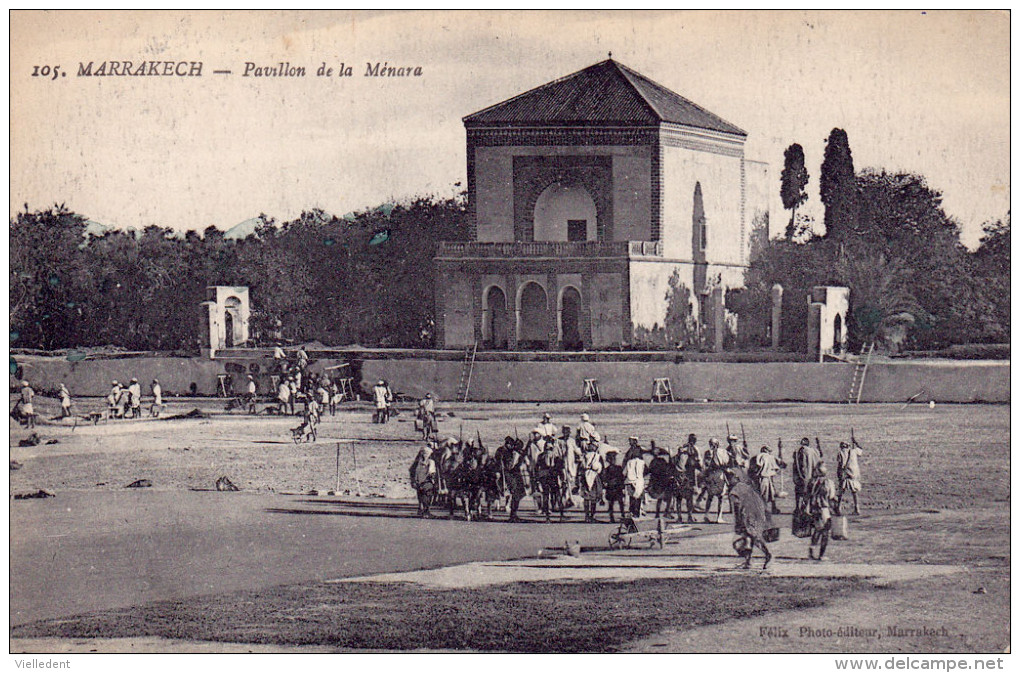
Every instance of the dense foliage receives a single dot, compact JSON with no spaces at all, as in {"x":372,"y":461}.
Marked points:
{"x":364,"y":278}
{"x":368,"y":277}
{"x":913,"y":283}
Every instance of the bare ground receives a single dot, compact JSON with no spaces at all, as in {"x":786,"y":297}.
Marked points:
{"x":936,"y":492}
{"x":950,"y":457}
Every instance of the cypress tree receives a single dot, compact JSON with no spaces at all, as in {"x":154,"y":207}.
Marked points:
{"x":793,"y":181}
{"x":838,"y":187}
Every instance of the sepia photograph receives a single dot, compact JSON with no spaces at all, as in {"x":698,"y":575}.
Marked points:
{"x":507,"y":332}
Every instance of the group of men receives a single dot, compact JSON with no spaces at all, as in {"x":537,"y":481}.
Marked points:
{"x":551,"y":468}
{"x":126,"y":401}
{"x":554,"y":464}
{"x":121,"y":401}
{"x":297,"y":384}
{"x":315,"y":392}
{"x":816,"y":497}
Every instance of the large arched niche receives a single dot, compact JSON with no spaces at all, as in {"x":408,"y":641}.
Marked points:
{"x":570,"y":319}
{"x":560,"y":211}
{"x":533,"y":317}
{"x":495,"y":318}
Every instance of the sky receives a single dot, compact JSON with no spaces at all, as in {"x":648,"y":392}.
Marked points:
{"x":915,"y":91}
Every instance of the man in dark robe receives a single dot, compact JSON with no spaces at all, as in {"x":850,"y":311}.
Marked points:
{"x":805,"y":459}
{"x":514,"y":470}
{"x":490,"y":477}
{"x":751,"y":518}
{"x":424,"y":480}
{"x":613,"y":481}
{"x":661,"y":482}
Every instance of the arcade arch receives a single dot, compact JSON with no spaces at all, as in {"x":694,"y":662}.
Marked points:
{"x":532,"y":316}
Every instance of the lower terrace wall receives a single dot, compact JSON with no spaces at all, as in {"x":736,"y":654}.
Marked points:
{"x":520,"y":381}
{"x":730,"y":382}
{"x":94,"y":377}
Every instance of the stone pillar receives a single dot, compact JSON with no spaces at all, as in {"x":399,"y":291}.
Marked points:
{"x":814,"y":324}
{"x":718,"y":318}
{"x":777,"y":314}
{"x":552,"y":293}
{"x":440,"y":318}
{"x":584,"y":320}
{"x":625,"y":318}
{"x":207,"y":335}
{"x":513,"y":311}
{"x":476,"y":307}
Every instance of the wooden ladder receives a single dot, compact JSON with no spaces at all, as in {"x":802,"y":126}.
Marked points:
{"x":661,"y":391}
{"x":860,"y":371}
{"x":465,"y":372}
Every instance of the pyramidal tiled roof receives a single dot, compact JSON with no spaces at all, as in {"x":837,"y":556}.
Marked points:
{"x":605,"y":93}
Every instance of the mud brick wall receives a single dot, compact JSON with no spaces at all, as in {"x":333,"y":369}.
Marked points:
{"x":730,"y":382}
{"x":494,"y":381}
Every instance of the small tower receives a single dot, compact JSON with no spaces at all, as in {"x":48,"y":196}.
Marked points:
{"x":827,"y":312}
{"x":226,"y":313}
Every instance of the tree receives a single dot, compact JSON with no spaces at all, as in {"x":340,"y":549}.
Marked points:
{"x":993,"y":249}
{"x":45,"y":275}
{"x":911,"y":279}
{"x":991,"y":268}
{"x":838,"y":186}
{"x":797,"y":267}
{"x":365,"y":278}
{"x":900,"y":215}
{"x":680,"y":324}
{"x":903,"y":214}
{"x":792,"y":183}
{"x":881,"y":304}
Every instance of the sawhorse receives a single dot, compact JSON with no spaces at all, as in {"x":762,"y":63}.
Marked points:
{"x":223,"y":385}
{"x":346,"y":388}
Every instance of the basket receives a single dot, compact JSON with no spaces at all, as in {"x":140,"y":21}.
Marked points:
{"x":803,"y":526}
{"x":771,"y":535}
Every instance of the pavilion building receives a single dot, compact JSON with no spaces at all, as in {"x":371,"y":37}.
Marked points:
{"x":586,"y":195}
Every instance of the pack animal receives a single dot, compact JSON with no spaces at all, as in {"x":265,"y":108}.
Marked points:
{"x":463,"y":475}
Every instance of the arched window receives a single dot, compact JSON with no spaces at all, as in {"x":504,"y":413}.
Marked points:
{"x":700,"y":225}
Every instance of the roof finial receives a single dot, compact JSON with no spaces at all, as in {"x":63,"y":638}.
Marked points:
{"x":610,"y":56}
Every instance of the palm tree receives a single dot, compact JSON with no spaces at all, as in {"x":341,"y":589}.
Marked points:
{"x":882,"y":305}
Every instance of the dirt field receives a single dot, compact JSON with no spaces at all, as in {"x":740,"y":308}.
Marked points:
{"x":936,"y":491}
{"x":952,"y":456}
